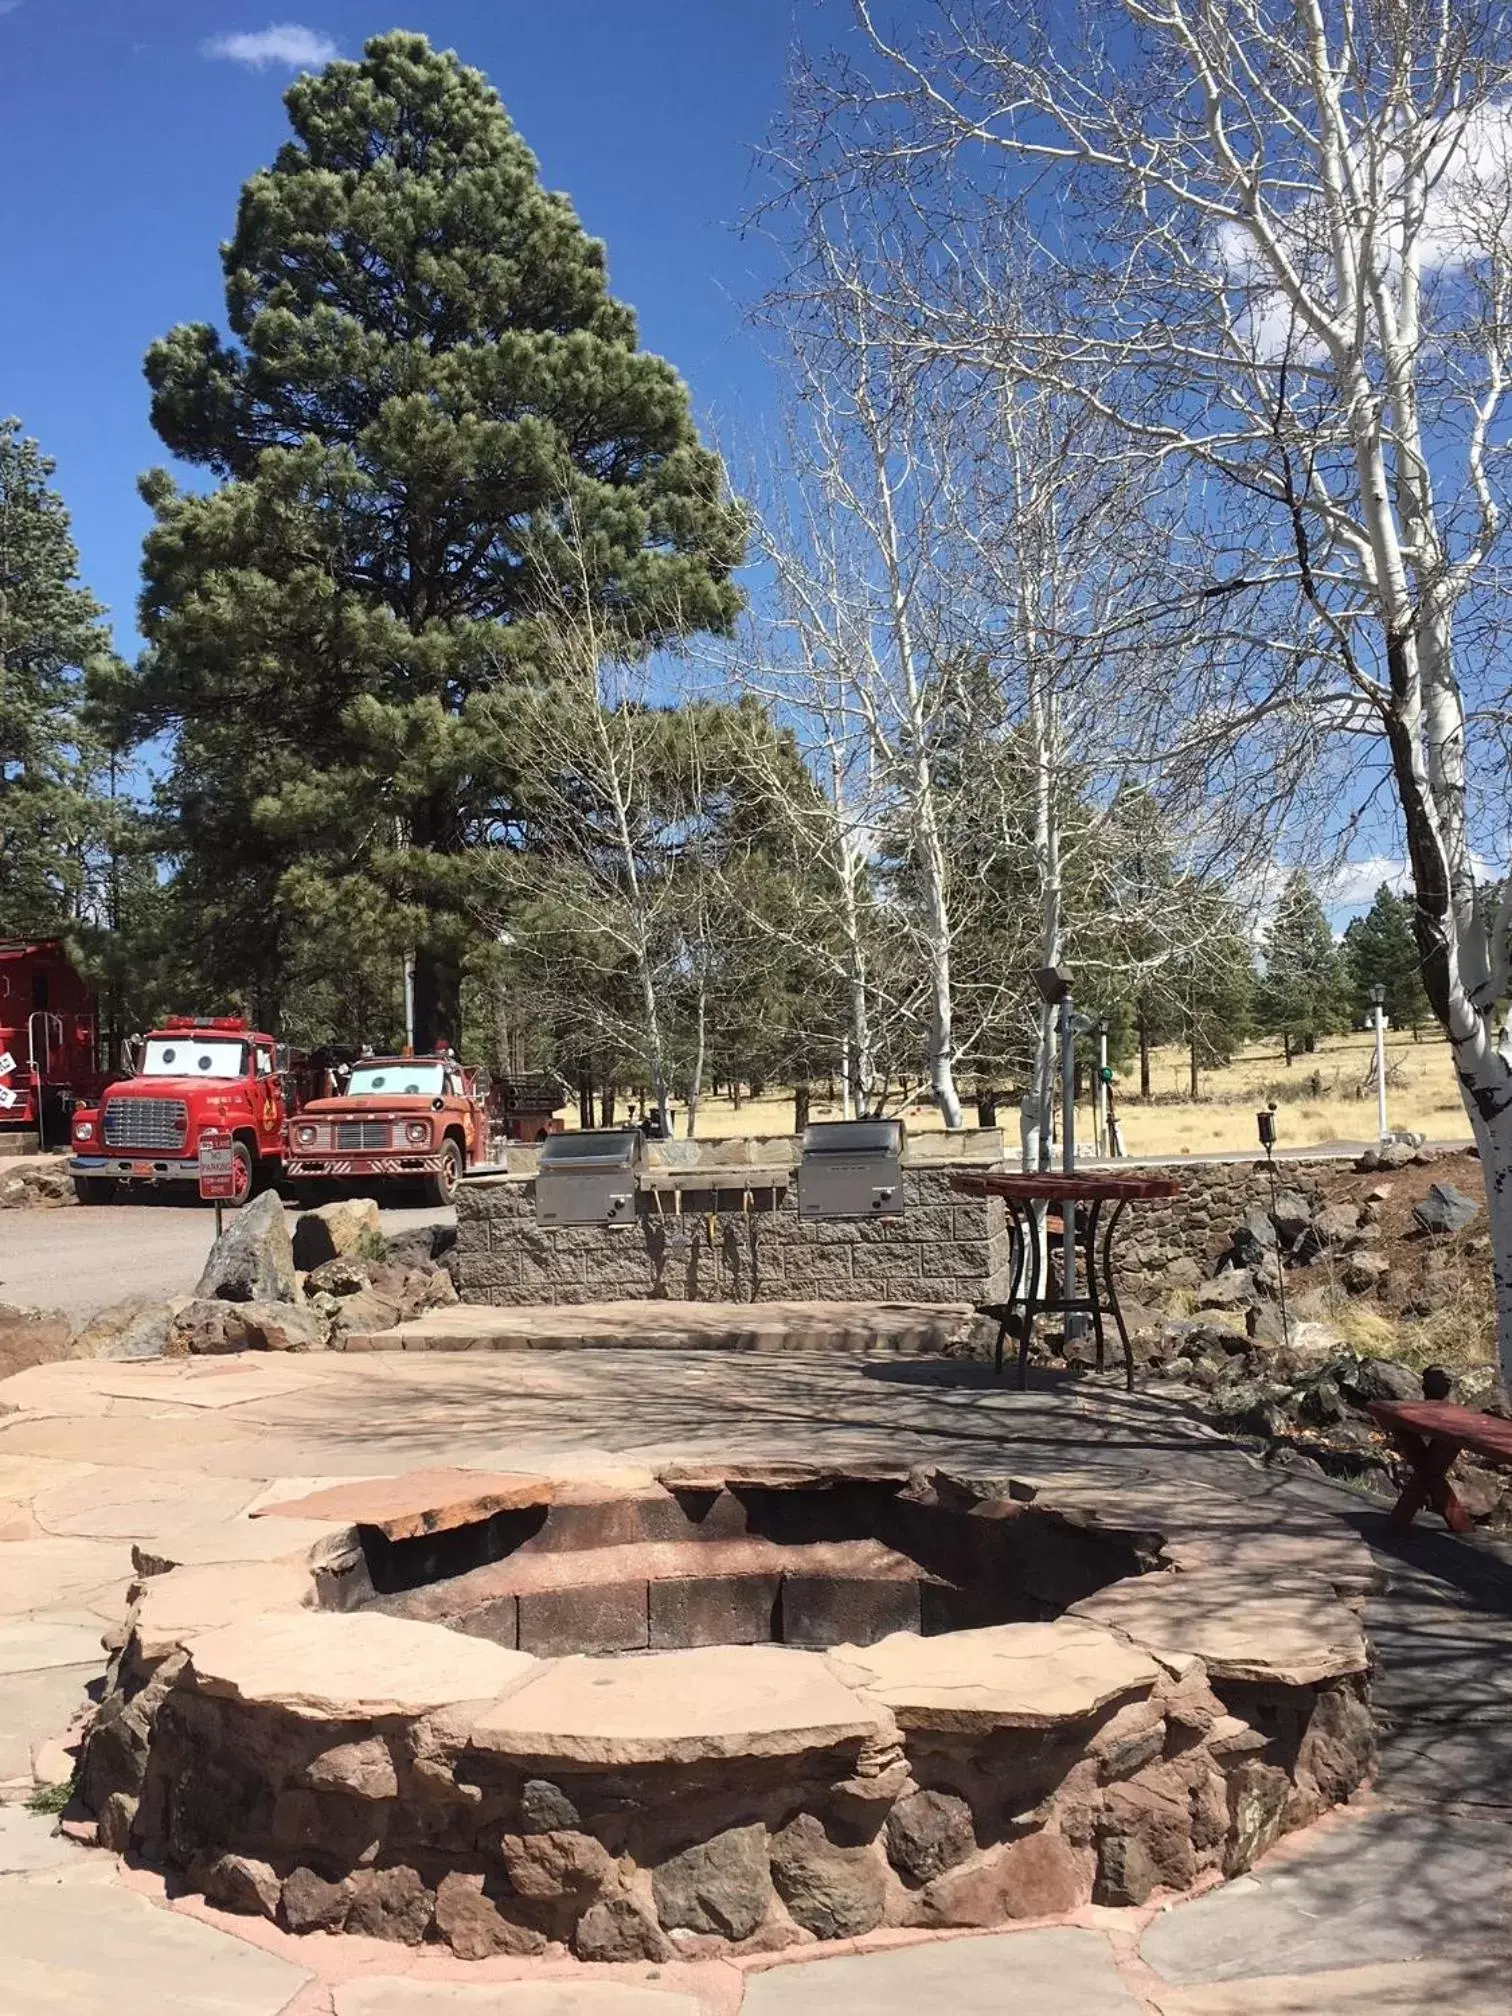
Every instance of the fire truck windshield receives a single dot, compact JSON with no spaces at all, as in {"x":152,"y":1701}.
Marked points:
{"x":193,"y":1057}
{"x":376,"y":1081}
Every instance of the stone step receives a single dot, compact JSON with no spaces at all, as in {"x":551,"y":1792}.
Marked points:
{"x":861,"y":1329}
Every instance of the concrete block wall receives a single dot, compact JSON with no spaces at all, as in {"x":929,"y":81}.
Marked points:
{"x":945,"y":1248}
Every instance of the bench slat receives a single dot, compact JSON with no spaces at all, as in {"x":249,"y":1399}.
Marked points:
{"x":1486,"y":1434}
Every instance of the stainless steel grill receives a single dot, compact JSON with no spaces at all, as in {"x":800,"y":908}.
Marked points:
{"x":363,"y":1134}
{"x":851,"y":1169}
{"x":589,"y":1178}
{"x":145,"y":1123}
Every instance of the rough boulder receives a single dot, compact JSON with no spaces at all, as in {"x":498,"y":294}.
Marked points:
{"x":253,"y":1260}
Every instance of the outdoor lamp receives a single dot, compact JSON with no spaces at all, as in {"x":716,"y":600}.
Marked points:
{"x":1054,"y":984}
{"x":1377,"y":995}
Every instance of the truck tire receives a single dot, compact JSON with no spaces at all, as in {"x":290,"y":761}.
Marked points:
{"x":243,"y":1172}
{"x":95,"y":1189}
{"x":441,"y":1188}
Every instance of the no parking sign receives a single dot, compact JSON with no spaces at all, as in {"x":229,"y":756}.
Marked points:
{"x":217,"y":1165}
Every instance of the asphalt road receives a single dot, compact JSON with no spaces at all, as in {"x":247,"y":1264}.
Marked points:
{"x":83,"y":1257}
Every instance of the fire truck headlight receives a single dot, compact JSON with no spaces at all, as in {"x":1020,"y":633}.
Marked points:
{"x":83,"y":1130}
{"x":417,"y":1133}
{"x":306,"y":1136}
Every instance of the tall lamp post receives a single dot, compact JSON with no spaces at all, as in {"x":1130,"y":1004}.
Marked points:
{"x":1378,"y":1008}
{"x":1054,"y":984}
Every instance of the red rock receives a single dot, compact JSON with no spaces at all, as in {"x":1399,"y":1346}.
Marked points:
{"x":929,"y":1832}
{"x":558,"y":1864}
{"x":617,"y":1928}
{"x":390,"y":1904}
{"x":1145,"y":1841}
{"x":472,"y":1924}
{"x":237,"y":1883}
{"x":364,"y":1769}
{"x":831,"y":1890}
{"x":309,"y":1904}
{"x":1040,"y":1876}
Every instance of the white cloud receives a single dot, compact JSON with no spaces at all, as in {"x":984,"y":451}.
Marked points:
{"x":284,"y":43}
{"x":1466,"y":165}
{"x":1354,"y":885}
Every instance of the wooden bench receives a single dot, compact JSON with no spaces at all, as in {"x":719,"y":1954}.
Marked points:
{"x":1430,"y":1434}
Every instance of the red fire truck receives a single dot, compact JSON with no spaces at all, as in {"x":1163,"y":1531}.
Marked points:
{"x":192,"y":1073}
{"x":49,"y":1039}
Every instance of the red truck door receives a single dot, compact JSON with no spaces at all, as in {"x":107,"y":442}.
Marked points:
{"x":267,"y":1102}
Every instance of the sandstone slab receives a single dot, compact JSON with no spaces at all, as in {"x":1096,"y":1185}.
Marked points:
{"x":336,"y":1667}
{"x":1293,"y":1637}
{"x":27,"y":1647}
{"x":679,"y":1707}
{"x":1059,"y":1972}
{"x":420,"y":1501}
{"x":31,"y":1841}
{"x":514,"y":1998}
{"x":1388,"y":1886}
{"x":1418,"y":1988}
{"x":68,"y":1953}
{"x":1011,"y":1676}
{"x":172,"y":1609}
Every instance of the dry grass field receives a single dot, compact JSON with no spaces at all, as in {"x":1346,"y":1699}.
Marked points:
{"x":1329,"y":1096}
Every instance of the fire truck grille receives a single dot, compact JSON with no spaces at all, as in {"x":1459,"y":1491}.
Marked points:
{"x":145,"y":1123}
{"x":362,"y":1134}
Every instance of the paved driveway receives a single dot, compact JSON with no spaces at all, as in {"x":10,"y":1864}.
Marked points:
{"x":81,"y":1258}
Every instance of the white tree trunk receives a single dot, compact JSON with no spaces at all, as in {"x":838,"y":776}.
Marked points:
{"x":1047,"y":860}
{"x":700,"y":1046}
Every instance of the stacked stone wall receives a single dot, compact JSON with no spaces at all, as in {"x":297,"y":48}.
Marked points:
{"x":734,"y":1245}
{"x":1198,"y":1224}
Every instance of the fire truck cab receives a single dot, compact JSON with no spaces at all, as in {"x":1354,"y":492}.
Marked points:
{"x":190,"y":1074}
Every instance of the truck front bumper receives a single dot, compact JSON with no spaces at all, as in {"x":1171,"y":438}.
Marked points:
{"x":137,"y":1168}
{"x":344,"y":1168}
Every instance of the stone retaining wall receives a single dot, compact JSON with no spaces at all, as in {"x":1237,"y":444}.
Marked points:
{"x":1199,"y":1223}
{"x":945,"y":1248}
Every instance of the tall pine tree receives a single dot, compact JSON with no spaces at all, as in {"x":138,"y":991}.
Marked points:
{"x":1381,"y":949}
{"x":51,"y":635}
{"x":1305,"y":991}
{"x":436,"y":437}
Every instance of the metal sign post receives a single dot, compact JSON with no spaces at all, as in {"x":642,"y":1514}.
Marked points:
{"x":217,"y":1169}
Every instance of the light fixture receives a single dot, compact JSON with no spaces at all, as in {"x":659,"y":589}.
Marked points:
{"x":1377,"y":995}
{"x":1054,"y":984}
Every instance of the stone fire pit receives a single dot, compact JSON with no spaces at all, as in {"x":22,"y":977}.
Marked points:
{"x":723,"y":1709}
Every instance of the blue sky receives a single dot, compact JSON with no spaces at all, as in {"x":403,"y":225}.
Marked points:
{"x":123,"y":145}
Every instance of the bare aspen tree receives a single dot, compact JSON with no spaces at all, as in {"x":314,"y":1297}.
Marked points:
{"x":866,"y":597}
{"x":1282,"y":232}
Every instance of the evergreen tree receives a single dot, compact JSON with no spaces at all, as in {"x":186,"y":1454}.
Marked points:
{"x":435,"y":433}
{"x":1381,"y":950}
{"x":1305,"y":990}
{"x":1207,"y":991}
{"x":52,"y":634}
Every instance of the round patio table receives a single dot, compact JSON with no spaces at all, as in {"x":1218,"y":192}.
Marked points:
{"x":1085,"y":1197}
